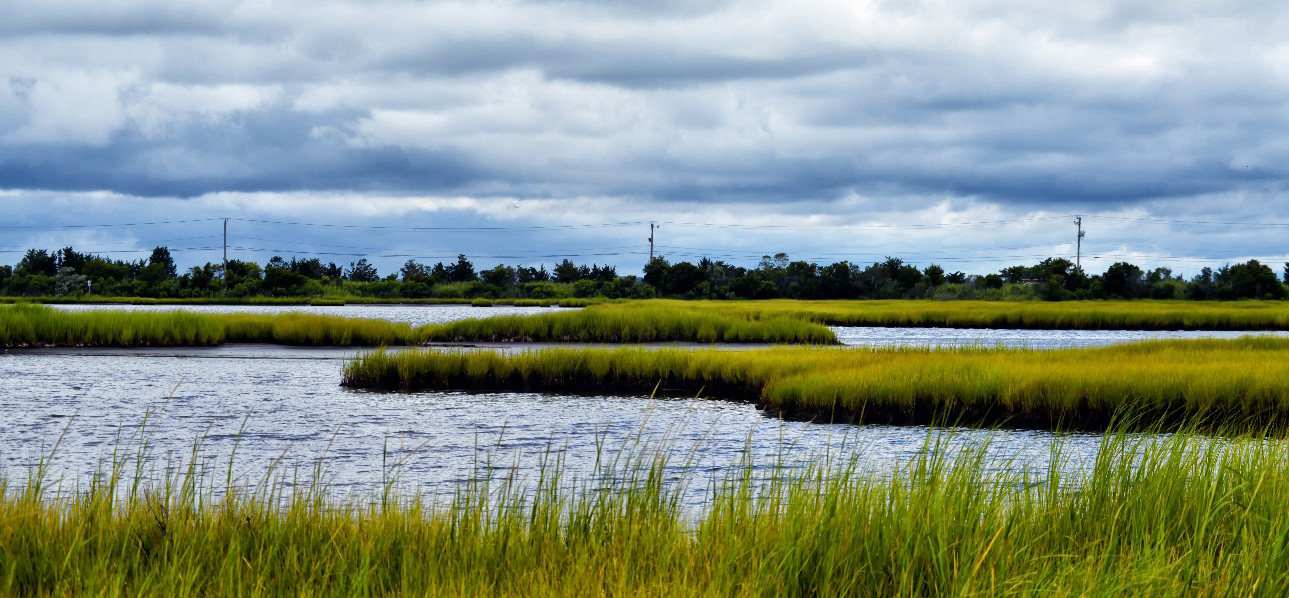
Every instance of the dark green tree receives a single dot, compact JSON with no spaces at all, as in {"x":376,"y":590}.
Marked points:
{"x":361,"y":271}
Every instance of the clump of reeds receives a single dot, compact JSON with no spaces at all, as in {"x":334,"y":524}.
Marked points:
{"x":39,"y":326}
{"x":634,"y":323}
{"x":1225,"y":382}
{"x":1179,"y":516}
{"x":319,"y":301}
{"x":481,"y":302}
{"x":1068,"y":315}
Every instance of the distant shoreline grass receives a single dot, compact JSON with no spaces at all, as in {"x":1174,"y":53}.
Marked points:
{"x":39,"y":326}
{"x":327,"y":301}
{"x":789,"y":322}
{"x":1179,"y":516}
{"x":1140,"y":314}
{"x":27,"y":325}
{"x":1241,"y":382}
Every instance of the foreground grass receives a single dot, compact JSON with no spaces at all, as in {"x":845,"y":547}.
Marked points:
{"x":1181,"y":516}
{"x":1230,"y":382}
{"x":39,"y":326}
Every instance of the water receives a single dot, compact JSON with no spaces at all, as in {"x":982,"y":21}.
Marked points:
{"x":285,"y":406}
{"x":848,"y":335}
{"x":416,"y":315}
{"x":279,"y":402}
{"x":1034,"y":339}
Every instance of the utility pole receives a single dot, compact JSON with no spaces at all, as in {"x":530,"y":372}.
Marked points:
{"x":225,"y":255}
{"x":1078,"y":255}
{"x":651,"y":227}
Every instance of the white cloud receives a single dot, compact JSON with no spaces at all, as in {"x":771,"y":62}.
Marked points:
{"x":74,"y":108}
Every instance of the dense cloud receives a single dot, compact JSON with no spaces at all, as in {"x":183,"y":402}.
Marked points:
{"x":801,"y":111}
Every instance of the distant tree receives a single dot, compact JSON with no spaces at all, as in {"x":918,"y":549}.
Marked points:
{"x":603,"y":274}
{"x":413,"y":270}
{"x":529,"y":274}
{"x":37,"y":262}
{"x":500,"y":276}
{"x":161,"y":256}
{"x":1123,"y":280}
{"x":1015,"y":274}
{"x":361,"y":271}
{"x":1250,"y":280}
{"x":934,"y":275}
{"x":311,"y":268}
{"x":68,"y":282}
{"x":956,"y":277}
{"x":70,"y":258}
{"x":681,"y":279}
{"x":566,"y":271}
{"x":655,"y":270}
{"x":462,"y":271}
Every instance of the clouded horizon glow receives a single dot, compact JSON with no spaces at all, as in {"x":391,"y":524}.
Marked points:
{"x":826,"y":130}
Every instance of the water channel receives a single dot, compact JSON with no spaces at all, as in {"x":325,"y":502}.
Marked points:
{"x":284,"y":406}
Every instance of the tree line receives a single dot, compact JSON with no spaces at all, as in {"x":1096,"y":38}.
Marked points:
{"x":69,"y":273}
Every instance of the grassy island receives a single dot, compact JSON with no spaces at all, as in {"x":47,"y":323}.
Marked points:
{"x":1180,"y":516}
{"x":26,"y":325}
{"x":38,"y":326}
{"x":1242,"y":382}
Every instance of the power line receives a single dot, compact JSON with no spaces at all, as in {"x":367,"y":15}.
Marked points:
{"x":116,"y":225}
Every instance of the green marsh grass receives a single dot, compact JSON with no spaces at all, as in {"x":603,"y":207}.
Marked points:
{"x":1241,"y":382}
{"x":1067,"y":315}
{"x":1173,"y":516}
{"x":39,"y":326}
{"x":635,"y":322}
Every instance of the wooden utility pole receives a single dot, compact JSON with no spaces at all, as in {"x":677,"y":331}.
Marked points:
{"x":1078,"y":255}
{"x":225,"y":255}
{"x":651,"y":227}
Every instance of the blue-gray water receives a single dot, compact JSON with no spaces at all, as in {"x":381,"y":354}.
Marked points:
{"x":286,"y":403}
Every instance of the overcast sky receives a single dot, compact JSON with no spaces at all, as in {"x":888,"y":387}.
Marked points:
{"x":961,"y":132}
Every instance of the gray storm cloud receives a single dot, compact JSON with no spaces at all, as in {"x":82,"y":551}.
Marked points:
{"x":704,"y":109}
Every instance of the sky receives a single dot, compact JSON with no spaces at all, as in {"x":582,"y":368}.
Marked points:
{"x":967,"y":133}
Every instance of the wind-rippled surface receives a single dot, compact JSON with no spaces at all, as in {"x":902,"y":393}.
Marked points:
{"x":285,"y":406}
{"x":274,"y":402}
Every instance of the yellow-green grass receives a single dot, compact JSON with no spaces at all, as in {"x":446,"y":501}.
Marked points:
{"x":636,"y":322}
{"x":40,"y":326}
{"x":1229,"y":382}
{"x":34,"y":325}
{"x":1068,"y":315}
{"x":1175,"y":517}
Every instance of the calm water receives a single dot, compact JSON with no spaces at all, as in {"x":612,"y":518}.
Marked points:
{"x":286,"y":403}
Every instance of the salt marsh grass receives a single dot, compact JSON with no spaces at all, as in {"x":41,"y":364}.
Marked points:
{"x":636,"y":322}
{"x":1174,"y":516}
{"x":38,"y":326}
{"x":1241,"y":382}
{"x":1067,"y":315}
